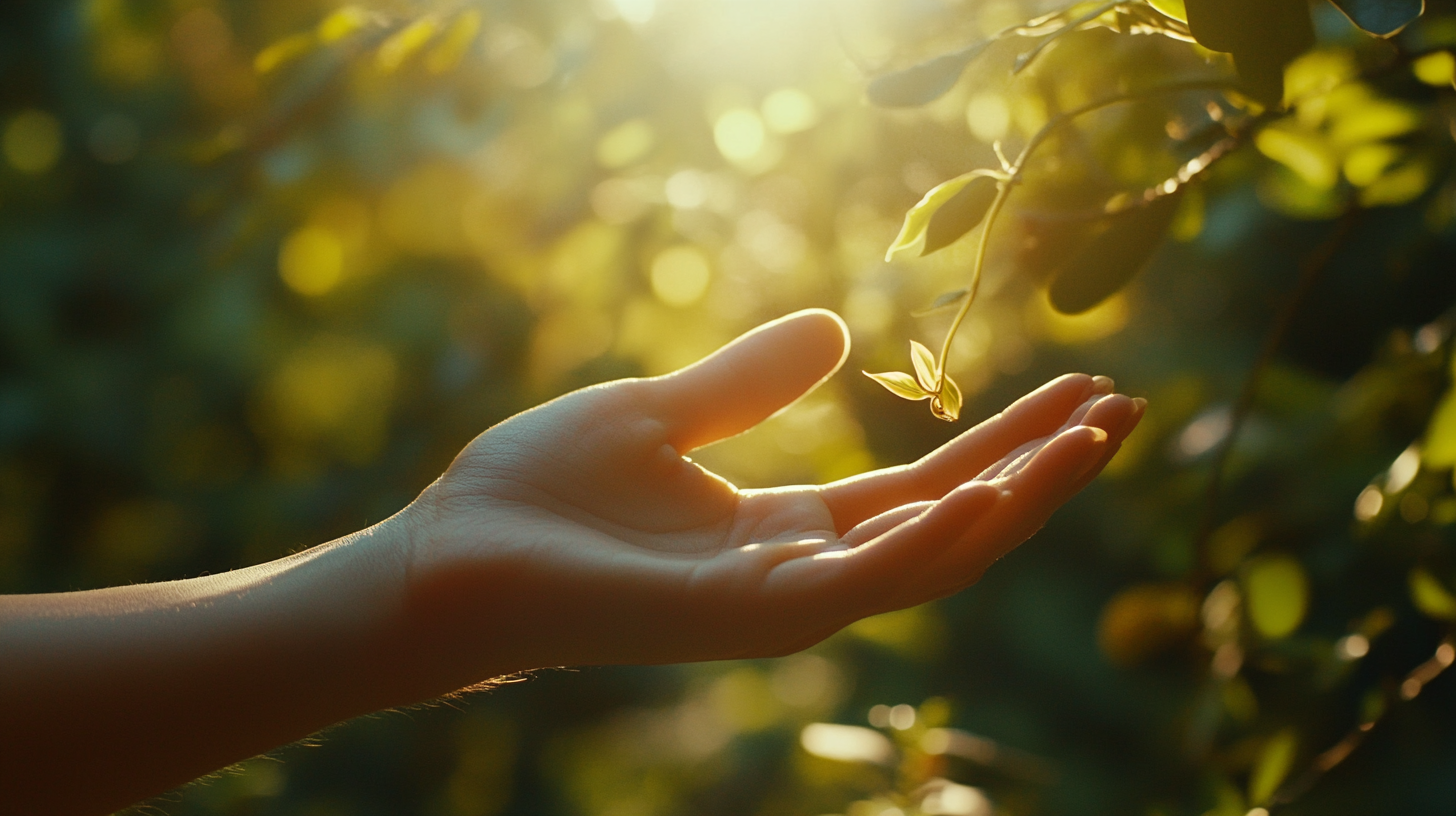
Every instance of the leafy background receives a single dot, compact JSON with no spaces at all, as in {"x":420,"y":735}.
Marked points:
{"x":266,"y":266}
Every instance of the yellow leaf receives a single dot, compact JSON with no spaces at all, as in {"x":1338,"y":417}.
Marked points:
{"x":912,"y":234}
{"x":1402,"y":185}
{"x":1373,"y":120}
{"x":1438,"y":68}
{"x":455,"y":43}
{"x":342,"y":23}
{"x":282,"y":52}
{"x":404,"y":43}
{"x":1277,"y":593}
{"x":1439,"y":450}
{"x":1273,"y":766}
{"x":900,"y":384}
{"x":1366,"y":163}
{"x":1431,"y":596}
{"x":1302,"y":151}
{"x":925,"y":368}
{"x":947,"y":405}
{"x":1171,"y":8}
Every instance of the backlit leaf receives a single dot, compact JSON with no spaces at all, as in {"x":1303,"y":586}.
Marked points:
{"x":282,"y":52}
{"x":960,"y":214}
{"x":1110,"y":259}
{"x":1172,"y":8}
{"x":948,"y":211}
{"x":1276,"y":594}
{"x":924,"y":361}
{"x":1439,"y":450}
{"x":403,"y":44}
{"x":1273,"y":766}
{"x":925,"y":82}
{"x":900,"y":384}
{"x":1382,"y":18}
{"x":1431,"y":596}
{"x":1305,"y":152}
{"x":947,"y":405}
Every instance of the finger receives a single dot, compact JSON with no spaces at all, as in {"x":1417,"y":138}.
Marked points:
{"x":1033,"y":416}
{"x":1030,"y":496}
{"x":1114,"y":445}
{"x":748,"y":380}
{"x":1016,"y":458}
{"x":1108,"y":413}
{"x":883,"y":523}
{"x":854,"y":581}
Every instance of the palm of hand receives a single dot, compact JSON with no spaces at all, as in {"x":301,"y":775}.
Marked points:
{"x":643,"y":556}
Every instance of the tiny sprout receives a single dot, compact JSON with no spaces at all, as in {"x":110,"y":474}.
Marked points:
{"x":929,"y":382}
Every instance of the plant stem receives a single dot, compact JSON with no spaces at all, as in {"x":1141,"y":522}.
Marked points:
{"x":1019,"y":166}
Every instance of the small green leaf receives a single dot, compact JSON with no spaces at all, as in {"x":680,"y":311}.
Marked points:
{"x":960,"y":213}
{"x":947,"y":299}
{"x":900,"y":384}
{"x":925,"y":368}
{"x":1112,"y":258}
{"x":1430,"y":596}
{"x":923,"y":83}
{"x":1277,"y":593}
{"x":944,"y":214}
{"x":1439,"y":450}
{"x":1172,"y":8}
{"x":947,"y":405}
{"x":1273,"y":766}
{"x":1381,"y":18}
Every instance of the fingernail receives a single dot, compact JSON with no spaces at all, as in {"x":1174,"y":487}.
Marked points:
{"x":1140,"y":402}
{"x":1098,"y":435}
{"x":1102,"y":385}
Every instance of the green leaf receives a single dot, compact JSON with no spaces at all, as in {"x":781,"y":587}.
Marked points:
{"x":923,"y":83}
{"x":1273,"y":766}
{"x":1381,"y":18}
{"x":1277,"y":593}
{"x":1106,"y":263}
{"x":1439,"y":450}
{"x":925,"y":368}
{"x":948,"y":211}
{"x":947,"y":405}
{"x":1431,"y":596}
{"x":1263,"y":35}
{"x":960,"y":213}
{"x":900,"y":384}
{"x":946,"y":299}
{"x":1171,"y":8}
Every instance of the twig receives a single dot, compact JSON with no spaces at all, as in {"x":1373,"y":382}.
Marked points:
{"x":1014,"y":175}
{"x":1410,"y":688}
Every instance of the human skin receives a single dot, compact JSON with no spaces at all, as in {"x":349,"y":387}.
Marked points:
{"x":576,"y":533}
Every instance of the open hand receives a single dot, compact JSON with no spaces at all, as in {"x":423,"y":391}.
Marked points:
{"x":579,"y":533}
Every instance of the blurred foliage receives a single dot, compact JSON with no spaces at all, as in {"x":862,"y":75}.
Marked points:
{"x":267,"y":266}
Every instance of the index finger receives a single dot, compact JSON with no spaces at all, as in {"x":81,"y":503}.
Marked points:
{"x":1037,"y":414}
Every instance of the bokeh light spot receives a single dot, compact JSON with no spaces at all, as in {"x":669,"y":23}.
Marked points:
{"x":311,"y":261}
{"x":989,"y":116}
{"x":739,"y":134}
{"x":33,"y":142}
{"x":789,"y":110}
{"x":680,"y":276}
{"x":625,"y":143}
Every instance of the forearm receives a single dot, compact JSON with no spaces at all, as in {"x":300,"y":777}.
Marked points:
{"x":111,"y":696}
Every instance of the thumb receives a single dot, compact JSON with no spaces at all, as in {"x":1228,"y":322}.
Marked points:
{"x":751,"y":378}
